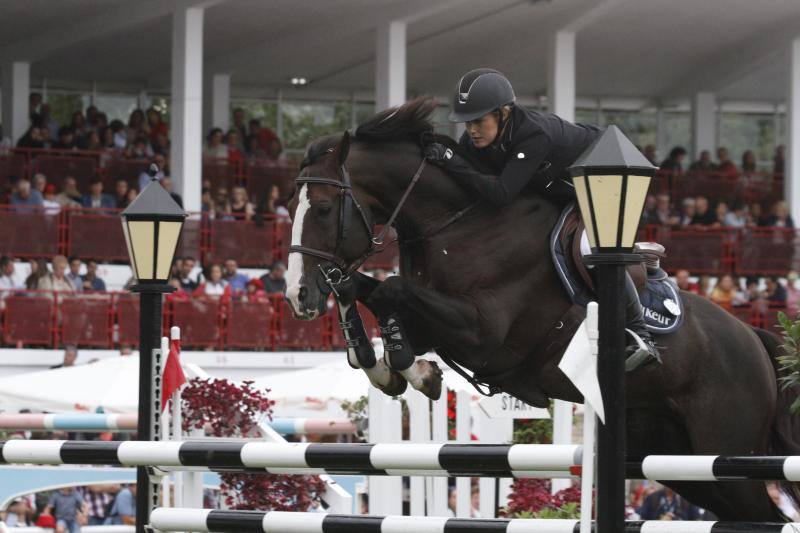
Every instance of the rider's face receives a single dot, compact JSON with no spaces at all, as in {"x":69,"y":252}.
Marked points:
{"x":483,"y":131}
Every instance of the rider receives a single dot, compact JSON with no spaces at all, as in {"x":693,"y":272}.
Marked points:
{"x":520,"y":146}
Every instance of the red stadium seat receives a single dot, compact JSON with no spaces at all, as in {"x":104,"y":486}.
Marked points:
{"x":296,"y":334}
{"x":56,"y":167}
{"x":283,"y":238}
{"x":96,"y":234}
{"x":767,"y":251}
{"x":13,"y":165}
{"x":29,"y":233}
{"x":127,"y":306}
{"x":250,"y":325}
{"x":126,"y":169}
{"x":199,"y":320}
{"x":29,"y":319}
{"x":263,"y":174}
{"x":250,"y":243}
{"x":86,"y":319}
{"x":700,"y":251}
{"x":191,"y":243}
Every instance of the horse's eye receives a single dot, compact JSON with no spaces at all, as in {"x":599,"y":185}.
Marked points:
{"x":323,"y":210}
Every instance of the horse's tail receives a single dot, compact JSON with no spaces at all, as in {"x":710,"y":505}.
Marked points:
{"x":785,"y":436}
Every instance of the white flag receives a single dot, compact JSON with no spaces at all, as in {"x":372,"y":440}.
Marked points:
{"x":579,"y":363}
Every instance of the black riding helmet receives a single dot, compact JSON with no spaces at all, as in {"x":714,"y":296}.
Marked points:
{"x":479,"y":92}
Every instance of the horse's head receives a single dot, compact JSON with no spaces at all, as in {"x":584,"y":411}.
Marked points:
{"x":330,"y":230}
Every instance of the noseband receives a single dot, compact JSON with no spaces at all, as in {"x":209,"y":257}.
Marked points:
{"x":347,"y":202}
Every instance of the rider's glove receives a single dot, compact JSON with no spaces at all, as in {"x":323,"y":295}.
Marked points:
{"x":438,"y":153}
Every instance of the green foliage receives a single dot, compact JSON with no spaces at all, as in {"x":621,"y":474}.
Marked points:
{"x":267,"y":112}
{"x":62,"y":105}
{"x":534,"y":431}
{"x":357,"y":412}
{"x":566,"y":511}
{"x":789,"y":362}
{"x":304,"y":121}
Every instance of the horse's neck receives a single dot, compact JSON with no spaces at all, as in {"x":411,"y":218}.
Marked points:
{"x":385,"y":172}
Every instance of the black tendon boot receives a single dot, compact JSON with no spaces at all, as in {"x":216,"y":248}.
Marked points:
{"x":642,"y":348}
{"x":423,"y":375}
{"x":360,"y":353}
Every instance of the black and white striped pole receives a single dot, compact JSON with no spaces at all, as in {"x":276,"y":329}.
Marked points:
{"x":152,"y":225}
{"x":611,"y":180}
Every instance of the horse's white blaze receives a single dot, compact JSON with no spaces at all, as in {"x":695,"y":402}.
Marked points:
{"x":295,"y":272}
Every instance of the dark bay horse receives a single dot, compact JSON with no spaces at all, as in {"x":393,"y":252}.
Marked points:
{"x":482,"y":291}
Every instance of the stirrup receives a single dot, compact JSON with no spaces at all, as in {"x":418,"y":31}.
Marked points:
{"x":644,"y":352}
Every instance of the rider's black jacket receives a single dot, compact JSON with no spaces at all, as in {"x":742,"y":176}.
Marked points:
{"x":532,"y":147}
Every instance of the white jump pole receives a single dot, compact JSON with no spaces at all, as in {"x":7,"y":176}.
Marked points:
{"x":177,"y":428}
{"x":463,"y":435}
{"x":589,"y":431}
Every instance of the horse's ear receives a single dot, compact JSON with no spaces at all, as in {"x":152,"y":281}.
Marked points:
{"x":342,"y":149}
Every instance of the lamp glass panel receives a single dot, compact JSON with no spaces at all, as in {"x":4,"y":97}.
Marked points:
{"x":606,"y":197}
{"x":142,"y":233}
{"x":634,"y":203}
{"x":583,"y":204}
{"x":168,"y":234}
{"x":130,"y":250}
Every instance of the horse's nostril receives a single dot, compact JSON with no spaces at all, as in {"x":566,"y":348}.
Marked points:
{"x":301,"y":296}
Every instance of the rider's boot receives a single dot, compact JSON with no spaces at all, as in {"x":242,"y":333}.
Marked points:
{"x":642,"y":348}
{"x":361,"y":354}
{"x":423,"y":375}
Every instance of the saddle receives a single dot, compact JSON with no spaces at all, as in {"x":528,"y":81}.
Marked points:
{"x":660,"y":298}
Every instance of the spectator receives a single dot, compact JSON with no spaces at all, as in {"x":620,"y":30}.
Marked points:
{"x":780,"y":217}
{"x":140,"y":148}
{"x":69,"y":196}
{"x":92,"y":142}
{"x":70,"y":357}
{"x":674,"y":163}
{"x":737,"y":218}
{"x":98,"y":503}
{"x":57,"y":279}
{"x":158,"y":160}
{"x":748,"y":163}
{"x":18,"y":513}
{"x":90,"y":281}
{"x":156,"y":126}
{"x":214,"y":147}
{"x":725,"y":167}
{"x":221,"y":200}
{"x":782,"y":501}
{"x":34,"y":101}
{"x":270,"y":205}
{"x":123,"y":512}
{"x":25,"y":196}
{"x":792,"y":295}
{"x":778,"y":162}
{"x":775,"y":293}
{"x":274,"y":281}
{"x":178,"y":294}
{"x":78,"y":126}
{"x":136,"y":125}
{"x":132,"y":194}
{"x":237,"y":281}
{"x":688,"y":211}
{"x":39,"y":182}
{"x":7,"y":274}
{"x":93,"y":119}
{"x":166,"y":182}
{"x":68,"y":508}
{"x":187,"y":281}
{"x":38,"y":271}
{"x":32,"y":139}
{"x":121,"y":188}
{"x":663,"y":214}
{"x":50,"y":200}
{"x":703,"y":216}
{"x":275,"y":151}
{"x":752,"y":290}
{"x":684,"y":283}
{"x":255,"y":292}
{"x":74,"y":274}
{"x":96,"y":197}
{"x":66,"y":139}
{"x":213,"y":286}
{"x":649,"y":206}
{"x":239,"y":122}
{"x":234,"y":143}
{"x":757,"y":215}
{"x":265,"y":135}
{"x":721,"y":211}
{"x":725,"y":293}
{"x":47,"y":122}
{"x":207,"y":202}
{"x":666,"y":505}
{"x":161,"y":145}
{"x":253,"y":149}
{"x":650,"y":153}
{"x":240,"y":207}
{"x":119,"y":133}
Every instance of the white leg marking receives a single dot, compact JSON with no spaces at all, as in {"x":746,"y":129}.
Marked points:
{"x":295,"y":272}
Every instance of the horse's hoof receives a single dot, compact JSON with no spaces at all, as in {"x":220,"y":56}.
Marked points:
{"x":426,"y":377}
{"x":396,"y":386}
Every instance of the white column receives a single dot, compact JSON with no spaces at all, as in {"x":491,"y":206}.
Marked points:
{"x":562,"y":434}
{"x":792,"y":177}
{"x":16,"y":88}
{"x":704,"y":123}
{"x":390,"y":65}
{"x":385,"y":425}
{"x":187,"y":105}
{"x":221,"y":101}
{"x":561,"y":86}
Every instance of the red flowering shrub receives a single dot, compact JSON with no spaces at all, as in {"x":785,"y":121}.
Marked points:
{"x":533,"y":495}
{"x":231,"y":410}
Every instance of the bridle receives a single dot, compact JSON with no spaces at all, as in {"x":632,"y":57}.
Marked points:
{"x":342,"y":268}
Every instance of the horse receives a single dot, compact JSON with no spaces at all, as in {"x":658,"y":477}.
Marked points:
{"x":478,"y":286}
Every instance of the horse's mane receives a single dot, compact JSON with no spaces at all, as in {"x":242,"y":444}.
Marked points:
{"x":403,"y":123}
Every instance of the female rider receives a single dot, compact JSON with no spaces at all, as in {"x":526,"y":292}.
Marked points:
{"x":520,"y":146}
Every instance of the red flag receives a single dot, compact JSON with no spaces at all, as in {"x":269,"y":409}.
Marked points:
{"x":173,"y":373}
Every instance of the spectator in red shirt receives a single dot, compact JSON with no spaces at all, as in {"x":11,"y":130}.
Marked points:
{"x":726,"y":168}
{"x":156,"y":125}
{"x":684,"y":282}
{"x":255,"y":292}
{"x":234,"y":142}
{"x":265,"y":135}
